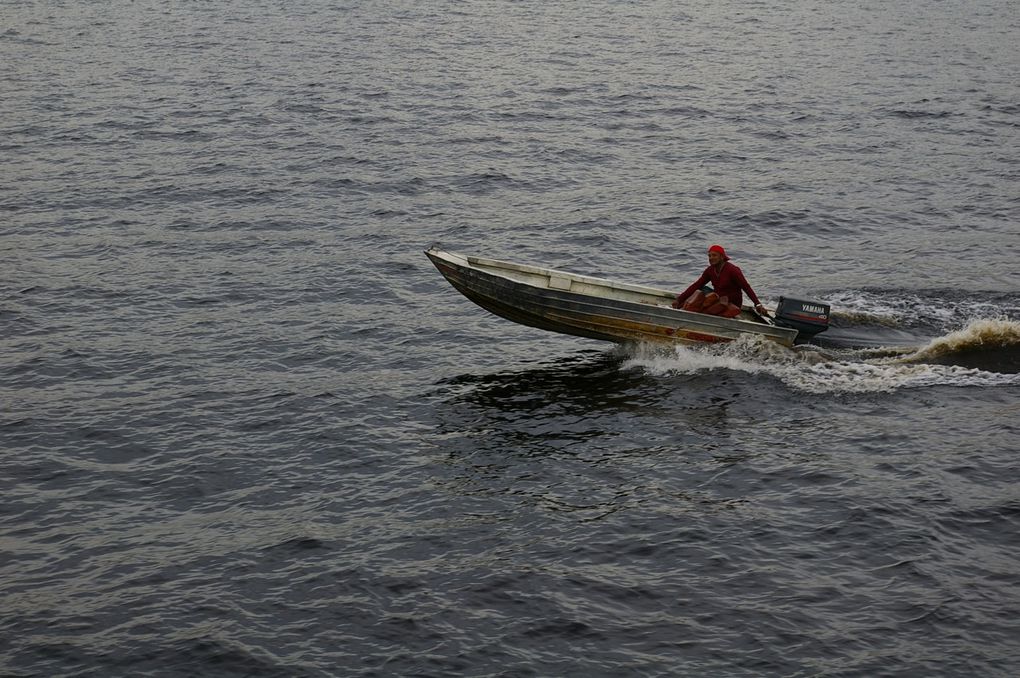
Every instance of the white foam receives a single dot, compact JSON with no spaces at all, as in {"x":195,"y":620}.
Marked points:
{"x":985,"y":334}
{"x":811,"y":370}
{"x":906,"y":309}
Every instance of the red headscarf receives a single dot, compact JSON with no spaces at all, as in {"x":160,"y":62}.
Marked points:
{"x":720,"y":250}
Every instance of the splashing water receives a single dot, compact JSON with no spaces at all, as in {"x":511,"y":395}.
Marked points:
{"x":990,"y":345}
{"x":986,"y":335}
{"x":939,"y":311}
{"x":815,"y":370}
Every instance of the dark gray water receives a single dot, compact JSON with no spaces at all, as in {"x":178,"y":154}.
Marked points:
{"x":247,"y":429}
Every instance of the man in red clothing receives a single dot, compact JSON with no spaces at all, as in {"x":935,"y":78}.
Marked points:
{"x":728,"y":283}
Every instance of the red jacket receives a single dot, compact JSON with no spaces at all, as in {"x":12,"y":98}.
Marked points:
{"x":727,"y":281}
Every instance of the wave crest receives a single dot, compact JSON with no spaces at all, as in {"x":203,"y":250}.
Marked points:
{"x":815,"y":370}
{"x":992,"y":345}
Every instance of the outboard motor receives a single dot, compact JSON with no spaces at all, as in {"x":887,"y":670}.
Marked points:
{"x":807,"y":317}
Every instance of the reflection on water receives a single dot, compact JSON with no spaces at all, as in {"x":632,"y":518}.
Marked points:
{"x":584,"y":384}
{"x":588,"y":437}
{"x":584,"y":391}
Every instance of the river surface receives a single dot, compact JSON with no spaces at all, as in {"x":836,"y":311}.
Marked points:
{"x":247,"y":429}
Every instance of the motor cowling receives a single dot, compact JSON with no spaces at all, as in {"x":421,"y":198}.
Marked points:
{"x":807,"y":317}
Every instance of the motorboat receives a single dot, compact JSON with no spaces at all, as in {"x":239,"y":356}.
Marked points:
{"x":620,"y":312}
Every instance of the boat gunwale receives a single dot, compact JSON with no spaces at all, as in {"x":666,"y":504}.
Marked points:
{"x":586,"y":279}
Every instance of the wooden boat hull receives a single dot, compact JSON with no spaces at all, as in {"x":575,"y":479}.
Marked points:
{"x":594,"y":308}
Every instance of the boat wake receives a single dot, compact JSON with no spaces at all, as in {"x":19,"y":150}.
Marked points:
{"x":991,"y":345}
{"x":984,"y":353}
{"x":927,"y":313}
